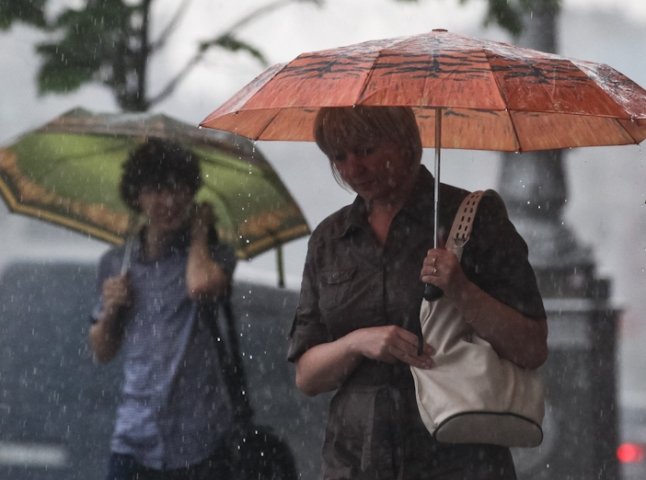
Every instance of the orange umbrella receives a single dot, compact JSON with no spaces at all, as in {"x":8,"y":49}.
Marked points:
{"x":466,"y":93}
{"x":490,"y":95}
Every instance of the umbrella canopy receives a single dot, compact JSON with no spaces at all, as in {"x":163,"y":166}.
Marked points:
{"x":67,"y":173}
{"x":486,"y":95}
{"x":466,"y":93}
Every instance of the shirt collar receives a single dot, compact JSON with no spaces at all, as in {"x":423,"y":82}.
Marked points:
{"x":179,"y":243}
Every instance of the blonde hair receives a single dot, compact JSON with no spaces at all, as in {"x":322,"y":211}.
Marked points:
{"x":345,"y":128}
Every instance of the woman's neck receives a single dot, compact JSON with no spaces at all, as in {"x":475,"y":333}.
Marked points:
{"x":382,"y":211}
{"x":381,"y":215}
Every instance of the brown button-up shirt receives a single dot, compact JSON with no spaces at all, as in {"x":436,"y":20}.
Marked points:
{"x":350,"y":281}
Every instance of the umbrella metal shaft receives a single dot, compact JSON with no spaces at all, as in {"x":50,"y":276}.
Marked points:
{"x":436,"y":175}
{"x":431,"y":292}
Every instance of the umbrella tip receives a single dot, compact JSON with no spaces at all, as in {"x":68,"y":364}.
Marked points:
{"x":440,"y":30}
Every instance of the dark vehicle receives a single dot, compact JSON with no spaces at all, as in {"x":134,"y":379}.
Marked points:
{"x":57,"y":406}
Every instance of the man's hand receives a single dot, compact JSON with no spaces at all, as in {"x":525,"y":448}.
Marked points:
{"x":202,"y":219}
{"x":116,"y":294}
{"x":107,"y":332}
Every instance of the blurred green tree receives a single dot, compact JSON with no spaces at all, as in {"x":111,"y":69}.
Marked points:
{"x":109,"y":42}
{"x":512,"y":15}
{"x":26,"y":11}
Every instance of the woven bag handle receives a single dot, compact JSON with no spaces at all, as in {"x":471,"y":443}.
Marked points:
{"x":463,"y":223}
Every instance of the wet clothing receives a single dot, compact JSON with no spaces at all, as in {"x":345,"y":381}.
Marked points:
{"x":174,"y":404}
{"x":350,"y":281}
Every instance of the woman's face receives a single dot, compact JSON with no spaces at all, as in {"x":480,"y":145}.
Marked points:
{"x":166,"y":208}
{"x":377,"y":170}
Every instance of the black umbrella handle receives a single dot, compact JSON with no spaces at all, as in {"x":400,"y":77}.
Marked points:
{"x":432,"y":292}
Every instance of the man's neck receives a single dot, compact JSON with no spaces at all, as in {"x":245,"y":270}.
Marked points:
{"x":156,"y":242}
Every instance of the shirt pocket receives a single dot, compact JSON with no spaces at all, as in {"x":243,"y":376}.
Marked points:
{"x":335,"y":288}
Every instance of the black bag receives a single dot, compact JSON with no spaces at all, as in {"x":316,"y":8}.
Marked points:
{"x":255,"y":452}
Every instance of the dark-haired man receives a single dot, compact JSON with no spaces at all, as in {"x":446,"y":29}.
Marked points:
{"x":175,"y":409}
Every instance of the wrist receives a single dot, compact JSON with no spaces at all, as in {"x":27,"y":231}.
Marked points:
{"x":470,"y":302}
{"x":199,"y":234}
{"x":111,"y":315}
{"x":353,"y":345}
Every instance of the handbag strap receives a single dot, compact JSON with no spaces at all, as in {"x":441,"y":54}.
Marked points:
{"x":463,"y":223}
{"x":460,"y":233}
{"x":229,"y":355}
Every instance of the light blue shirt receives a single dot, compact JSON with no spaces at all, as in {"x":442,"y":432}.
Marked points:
{"x":175,"y":407}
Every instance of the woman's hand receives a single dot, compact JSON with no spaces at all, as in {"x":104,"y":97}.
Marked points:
{"x":514,"y":336}
{"x":442,"y":268}
{"x":326,"y":366}
{"x":390,"y":344}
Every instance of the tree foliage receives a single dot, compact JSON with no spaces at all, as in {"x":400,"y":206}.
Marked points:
{"x":26,"y":11}
{"x":511,"y":14}
{"x":109,"y":42}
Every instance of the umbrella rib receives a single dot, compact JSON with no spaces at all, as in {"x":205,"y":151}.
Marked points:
{"x":623,"y":128}
{"x":262,"y":130}
{"x":367,"y":80}
{"x":504,"y":101}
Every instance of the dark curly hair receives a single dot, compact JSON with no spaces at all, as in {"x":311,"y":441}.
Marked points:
{"x":158,"y":163}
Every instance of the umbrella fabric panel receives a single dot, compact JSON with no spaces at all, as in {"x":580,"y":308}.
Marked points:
{"x":621,"y":89}
{"x":547,"y":132}
{"x":253,"y":209}
{"x":313,"y":80}
{"x":80,"y":166}
{"x":38,"y":188}
{"x":449,"y":80}
{"x":551,"y":85}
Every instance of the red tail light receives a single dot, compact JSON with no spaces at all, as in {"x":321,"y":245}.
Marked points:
{"x":631,"y":453}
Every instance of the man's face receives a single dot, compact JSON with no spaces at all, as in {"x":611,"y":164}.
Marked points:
{"x":166,"y":208}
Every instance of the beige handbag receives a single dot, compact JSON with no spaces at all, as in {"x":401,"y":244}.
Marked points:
{"x":471,"y":395}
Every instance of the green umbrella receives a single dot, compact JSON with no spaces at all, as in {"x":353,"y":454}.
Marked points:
{"x":67,"y":173}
